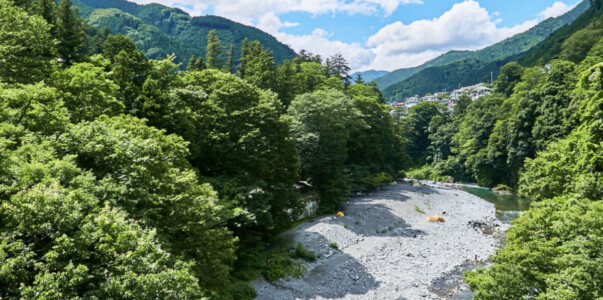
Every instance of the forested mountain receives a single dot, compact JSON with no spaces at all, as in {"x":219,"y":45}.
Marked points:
{"x":401,"y":74}
{"x":470,"y":67}
{"x":160,"y":31}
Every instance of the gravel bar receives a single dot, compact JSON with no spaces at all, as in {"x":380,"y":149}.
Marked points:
{"x":388,"y":250}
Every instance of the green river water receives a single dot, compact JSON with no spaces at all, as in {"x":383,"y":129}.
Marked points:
{"x":508,"y":207}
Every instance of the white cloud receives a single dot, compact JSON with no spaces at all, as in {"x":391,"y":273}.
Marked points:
{"x":250,"y":11}
{"x":466,"y":26}
{"x":270,"y":23}
{"x":318,"y":42}
{"x":557,"y":9}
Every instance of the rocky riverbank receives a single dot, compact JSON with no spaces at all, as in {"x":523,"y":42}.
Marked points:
{"x":386,"y":249}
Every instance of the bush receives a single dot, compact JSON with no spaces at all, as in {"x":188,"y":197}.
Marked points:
{"x":241,"y":291}
{"x":426,"y":172}
{"x":502,"y":188}
{"x":280,"y":265}
{"x":381,"y":179}
{"x":553,"y":251}
{"x":302,"y":253}
{"x":333,"y":245}
{"x":251,"y":258}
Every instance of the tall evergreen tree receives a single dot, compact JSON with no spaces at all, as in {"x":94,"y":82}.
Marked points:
{"x":69,"y":32}
{"x":256,"y":65}
{"x":245,"y":51}
{"x":328,"y":68}
{"x":230,"y":64}
{"x":359,"y":79}
{"x":339,"y":68}
{"x":46,"y":9}
{"x":215,"y":51}
{"x":195,"y":64}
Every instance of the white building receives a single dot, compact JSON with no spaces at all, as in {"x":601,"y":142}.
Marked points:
{"x":474,"y":91}
{"x":456,"y":94}
{"x":430,"y":98}
{"x":413,"y":99}
{"x":478,"y":92}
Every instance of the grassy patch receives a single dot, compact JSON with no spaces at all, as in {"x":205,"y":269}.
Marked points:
{"x":417,"y":208}
{"x":333,"y":245}
{"x":281,"y":265}
{"x":300,"y":252}
{"x":428,"y":204}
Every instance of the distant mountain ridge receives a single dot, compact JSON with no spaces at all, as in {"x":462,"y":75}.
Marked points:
{"x":455,"y":68}
{"x":370,"y":75}
{"x":160,"y":30}
{"x":401,"y":74}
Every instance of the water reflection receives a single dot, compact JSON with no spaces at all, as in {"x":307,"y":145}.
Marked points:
{"x":508,"y":207}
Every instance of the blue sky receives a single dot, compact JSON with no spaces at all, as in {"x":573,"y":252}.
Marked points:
{"x":383,"y":34}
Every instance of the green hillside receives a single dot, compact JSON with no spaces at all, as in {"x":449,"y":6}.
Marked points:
{"x":444,"y":71}
{"x":553,"y":47}
{"x":401,"y":74}
{"x":161,"y":30}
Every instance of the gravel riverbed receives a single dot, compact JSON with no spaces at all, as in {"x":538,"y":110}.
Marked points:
{"x":388,"y":250}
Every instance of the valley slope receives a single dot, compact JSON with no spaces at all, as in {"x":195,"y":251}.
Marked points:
{"x":161,"y":30}
{"x":456,"y":68}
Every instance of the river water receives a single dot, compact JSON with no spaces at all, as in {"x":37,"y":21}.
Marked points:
{"x":508,"y":207}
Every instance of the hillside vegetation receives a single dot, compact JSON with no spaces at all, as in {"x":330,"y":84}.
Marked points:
{"x":470,"y":67}
{"x":125,"y":177}
{"x":160,"y":31}
{"x":540,"y":134}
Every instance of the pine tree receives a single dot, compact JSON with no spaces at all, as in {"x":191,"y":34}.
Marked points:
{"x":46,"y":9}
{"x":243,"y":60}
{"x":256,"y":65}
{"x":340,"y":68}
{"x":69,"y":32}
{"x":215,"y":51}
{"x":328,"y":69}
{"x":195,"y":64}
{"x":230,"y":64}
{"x":359,"y":79}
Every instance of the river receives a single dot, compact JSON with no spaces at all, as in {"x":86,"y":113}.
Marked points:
{"x":508,"y":207}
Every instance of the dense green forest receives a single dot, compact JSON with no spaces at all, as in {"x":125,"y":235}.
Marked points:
{"x":466,"y":68}
{"x":126,"y":177}
{"x":159,"y":30}
{"x":541,"y":135}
